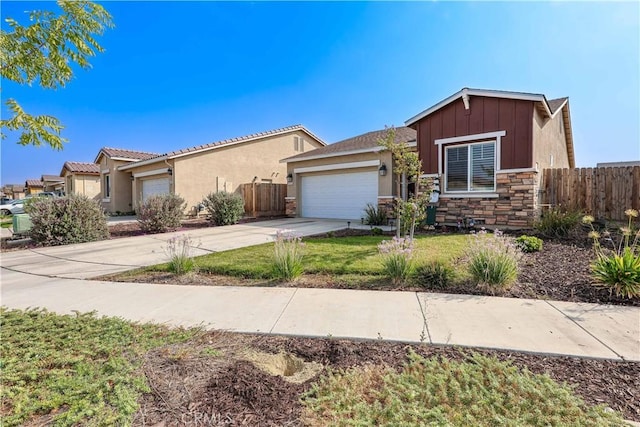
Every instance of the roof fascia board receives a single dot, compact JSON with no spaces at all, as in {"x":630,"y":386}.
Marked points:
{"x":481,"y":92}
{"x":255,"y":138}
{"x":343,"y":153}
{"x":142,"y":163}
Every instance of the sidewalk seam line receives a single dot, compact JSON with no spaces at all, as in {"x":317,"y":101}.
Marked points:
{"x":425,"y":326}
{"x":283,"y":310}
{"x":80,"y":261}
{"x":588,"y":332}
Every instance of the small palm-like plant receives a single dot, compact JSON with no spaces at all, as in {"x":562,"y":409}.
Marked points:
{"x":617,"y":267}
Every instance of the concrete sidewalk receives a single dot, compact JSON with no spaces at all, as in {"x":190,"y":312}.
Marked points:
{"x":52,"y":278}
{"x":585,"y":330}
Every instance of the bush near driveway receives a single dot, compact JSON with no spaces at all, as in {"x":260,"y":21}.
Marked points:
{"x":224,"y":208}
{"x":162,"y":213}
{"x":66,"y":220}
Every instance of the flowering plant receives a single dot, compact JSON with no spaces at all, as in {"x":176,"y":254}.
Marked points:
{"x":178,"y":250}
{"x":617,"y":266}
{"x":493,"y":260}
{"x":397,"y":258}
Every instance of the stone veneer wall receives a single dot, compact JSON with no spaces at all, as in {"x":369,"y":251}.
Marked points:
{"x":516,"y":205}
{"x":291,"y":206}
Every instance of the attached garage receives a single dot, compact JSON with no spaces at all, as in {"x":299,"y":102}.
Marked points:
{"x":338,"y":195}
{"x":154,"y":187}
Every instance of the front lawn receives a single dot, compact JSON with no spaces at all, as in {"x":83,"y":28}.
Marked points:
{"x":354,"y":255}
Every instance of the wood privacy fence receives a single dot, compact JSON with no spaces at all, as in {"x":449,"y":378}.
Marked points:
{"x":601,"y":192}
{"x":264,"y":199}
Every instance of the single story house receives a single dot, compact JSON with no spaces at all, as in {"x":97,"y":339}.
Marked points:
{"x":487,"y":149}
{"x":33,"y":186}
{"x":53,"y":183}
{"x":82,"y":178}
{"x":115,"y":186}
{"x":225,"y":165}
{"x":14,"y":191}
{"x":340,"y":179}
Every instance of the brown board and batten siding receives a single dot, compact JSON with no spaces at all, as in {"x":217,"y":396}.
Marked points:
{"x":485,"y":114}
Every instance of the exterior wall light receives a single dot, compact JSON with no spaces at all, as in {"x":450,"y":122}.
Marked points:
{"x":170,"y":171}
{"x":382,"y":170}
{"x":290,"y":178}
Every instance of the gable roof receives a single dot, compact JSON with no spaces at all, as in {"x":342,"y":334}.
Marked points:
{"x":81,"y":167}
{"x":33,"y":183}
{"x":124,"y":154}
{"x":464,"y":93}
{"x":546,"y":107}
{"x":222,"y":143}
{"x":367,"y":142}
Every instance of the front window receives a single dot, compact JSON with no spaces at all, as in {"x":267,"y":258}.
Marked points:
{"x":470,"y":167}
{"x":107,"y":186}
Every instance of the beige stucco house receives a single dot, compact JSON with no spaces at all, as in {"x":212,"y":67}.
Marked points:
{"x":53,"y":183}
{"x":82,"y":178}
{"x":33,"y":186}
{"x":340,"y":179}
{"x":195,"y":172}
{"x":116,"y":186}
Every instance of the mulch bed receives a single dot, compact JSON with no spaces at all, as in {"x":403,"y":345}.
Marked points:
{"x":192,"y":389}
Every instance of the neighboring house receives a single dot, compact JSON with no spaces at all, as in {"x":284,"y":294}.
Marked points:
{"x":53,"y":183}
{"x":340,"y":179}
{"x":115,"y":186}
{"x":82,"y":178}
{"x":14,"y":191}
{"x":33,"y":186}
{"x":488,"y":148}
{"x":618,"y":164}
{"x":195,"y":172}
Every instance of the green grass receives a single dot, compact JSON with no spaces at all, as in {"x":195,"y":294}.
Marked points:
{"x":334,"y":256}
{"x":77,"y":369}
{"x":480,"y":391}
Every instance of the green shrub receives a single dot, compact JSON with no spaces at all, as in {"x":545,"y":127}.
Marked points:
{"x":529,"y":243}
{"x":374,"y":215}
{"x":66,"y":220}
{"x":376,"y":231}
{"x":481,"y":391}
{"x":161,"y":213}
{"x":618,"y":267}
{"x":436,"y":274}
{"x":493,"y":261}
{"x":224,"y":208}
{"x":179,"y":252}
{"x":397,"y":259}
{"x":558,"y":222}
{"x":287,"y":255}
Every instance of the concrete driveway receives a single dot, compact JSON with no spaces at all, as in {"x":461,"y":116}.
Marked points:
{"x":86,"y":260}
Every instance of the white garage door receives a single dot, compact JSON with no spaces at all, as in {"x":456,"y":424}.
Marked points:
{"x":153,"y":187}
{"x":340,"y":196}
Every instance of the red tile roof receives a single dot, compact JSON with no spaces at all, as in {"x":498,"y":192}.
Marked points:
{"x":52,"y":178}
{"x":127,"y":154}
{"x":242,"y":139}
{"x":82,"y":167}
{"x":369,"y":140}
{"x":33,"y":183}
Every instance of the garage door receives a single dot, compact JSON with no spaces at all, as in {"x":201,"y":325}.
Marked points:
{"x":153,"y":187}
{"x":341,"y":196}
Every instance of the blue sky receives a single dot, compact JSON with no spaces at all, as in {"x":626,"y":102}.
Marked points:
{"x":180,"y":74}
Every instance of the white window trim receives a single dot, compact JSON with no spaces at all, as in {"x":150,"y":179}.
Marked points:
{"x":469,"y":158}
{"x":478,"y":137}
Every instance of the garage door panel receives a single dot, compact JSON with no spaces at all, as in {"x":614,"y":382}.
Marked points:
{"x":340,"y":195}
{"x":154,"y":187}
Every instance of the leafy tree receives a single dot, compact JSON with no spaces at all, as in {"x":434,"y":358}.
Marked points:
{"x":407,"y":165}
{"x":44,"y":53}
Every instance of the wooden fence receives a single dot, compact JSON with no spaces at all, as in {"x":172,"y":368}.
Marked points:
{"x":264,"y":199}
{"x":602,"y":192}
